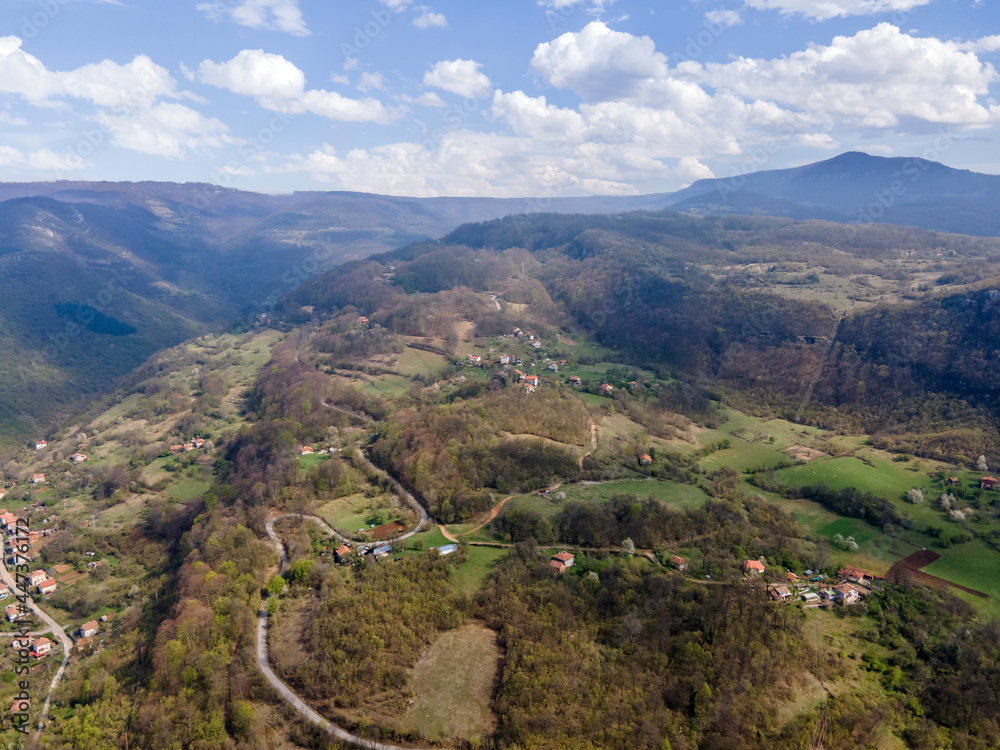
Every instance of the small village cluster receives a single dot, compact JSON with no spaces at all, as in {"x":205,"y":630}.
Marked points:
{"x":854,"y":585}
{"x":345,"y":555}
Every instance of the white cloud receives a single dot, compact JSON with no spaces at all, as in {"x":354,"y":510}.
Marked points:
{"x":6,"y":118}
{"x":106,"y":84}
{"x":166,"y":129}
{"x":690,"y":169}
{"x":878,"y":78}
{"x":428,"y":19}
{"x":397,"y":6}
{"x":426,"y":99}
{"x":45,"y":159}
{"x":599,"y":63}
{"x":461,"y":77}
{"x":724,"y":17}
{"x":984,"y":44}
{"x":278,"y":15}
{"x":368,"y":81}
{"x":821,"y":10}
{"x":278,"y":85}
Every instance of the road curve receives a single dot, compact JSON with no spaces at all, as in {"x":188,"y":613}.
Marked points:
{"x":57,"y":630}
{"x":424,"y":515}
{"x":283,"y":690}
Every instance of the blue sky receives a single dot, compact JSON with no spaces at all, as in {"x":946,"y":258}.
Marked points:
{"x":532,"y":97}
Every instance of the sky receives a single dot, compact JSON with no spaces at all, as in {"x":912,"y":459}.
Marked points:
{"x":508,"y":99}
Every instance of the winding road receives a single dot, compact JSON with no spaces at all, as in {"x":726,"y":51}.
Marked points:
{"x":57,"y":630}
{"x":283,"y":690}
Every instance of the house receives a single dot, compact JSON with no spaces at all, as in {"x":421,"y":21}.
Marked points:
{"x":176,"y":448}
{"x":342,"y":554}
{"x":8,"y":519}
{"x":305,"y":450}
{"x":645,"y":459}
{"x":792,"y":578}
{"x":41,"y":648}
{"x":505,"y":359}
{"x":531,"y":380}
{"x":446,"y":549}
{"x":40,"y":445}
{"x":987,"y":483}
{"x":753,"y":567}
{"x":381,"y":551}
{"x":536,"y":344}
{"x":88,"y":629}
{"x":4,"y":592}
{"x":562,"y":561}
{"x":854,"y":575}
{"x":952,"y":481}
{"x":553,"y":367}
{"x":78,"y":458}
{"x":362,"y":319}
{"x":575,"y":380}
{"x":845,"y":595}
{"x":37,"y":576}
{"x":46,"y":587}
{"x":37,"y":478}
{"x":475,"y":359}
{"x":529,"y":389}
{"x":198,"y":442}
{"x":679,"y":562}
{"x":18,"y":643}
{"x":18,"y":708}
{"x":15,"y":612}
{"x":188,"y":447}
{"x":606,"y":389}
{"x":781,"y":593}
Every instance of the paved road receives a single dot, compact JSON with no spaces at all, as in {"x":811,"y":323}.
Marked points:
{"x":56,"y":629}
{"x":286,"y":692}
{"x":424,"y":516}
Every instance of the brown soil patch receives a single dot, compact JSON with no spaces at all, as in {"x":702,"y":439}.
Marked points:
{"x":803,"y":453}
{"x":63,"y":568}
{"x":387,"y":530}
{"x":70,"y":579}
{"x":464,"y":329}
{"x":909,"y":568}
{"x":567,"y":341}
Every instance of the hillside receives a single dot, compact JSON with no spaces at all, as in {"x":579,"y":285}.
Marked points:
{"x":99,"y":276}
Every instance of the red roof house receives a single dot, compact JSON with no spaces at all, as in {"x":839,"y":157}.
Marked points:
{"x":988,"y":483}
{"x":753,"y":567}
{"x":88,"y":629}
{"x":47,"y":587}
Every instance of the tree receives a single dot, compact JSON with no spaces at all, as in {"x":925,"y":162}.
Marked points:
{"x":981,"y":464}
{"x":276,"y":586}
{"x":628,"y":547}
{"x":915,"y":496}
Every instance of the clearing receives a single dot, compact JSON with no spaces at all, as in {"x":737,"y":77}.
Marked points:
{"x":454,"y":683}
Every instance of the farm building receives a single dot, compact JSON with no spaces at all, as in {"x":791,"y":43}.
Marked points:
{"x":575,"y":380}
{"x":781,"y":593}
{"x":38,"y":479}
{"x":562,"y":561}
{"x":988,"y":483}
{"x":645,"y":459}
{"x":446,"y":549}
{"x":40,"y":445}
{"x":305,"y":450}
{"x":679,"y":562}
{"x":607,"y":389}
{"x":342,"y":554}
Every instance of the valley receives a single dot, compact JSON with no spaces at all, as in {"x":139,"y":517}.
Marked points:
{"x":656,"y":399}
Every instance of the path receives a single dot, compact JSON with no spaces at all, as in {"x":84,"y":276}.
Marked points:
{"x":283,"y":690}
{"x":593,"y":443}
{"x":58,"y":631}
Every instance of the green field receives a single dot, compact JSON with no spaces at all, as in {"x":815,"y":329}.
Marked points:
{"x":473,"y":573}
{"x":188,"y":488}
{"x":308,"y":461}
{"x":346,"y":513}
{"x":974,"y":565}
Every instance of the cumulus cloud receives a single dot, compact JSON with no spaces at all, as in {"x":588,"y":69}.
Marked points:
{"x":428,"y":19}
{"x":397,"y":6}
{"x":823,"y":10}
{"x":724,"y":17}
{"x":461,"y":77}
{"x":878,"y":78}
{"x":166,"y":129}
{"x":278,"y":15}
{"x":598,"y":63}
{"x":106,"y":84}
{"x":278,"y":85}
